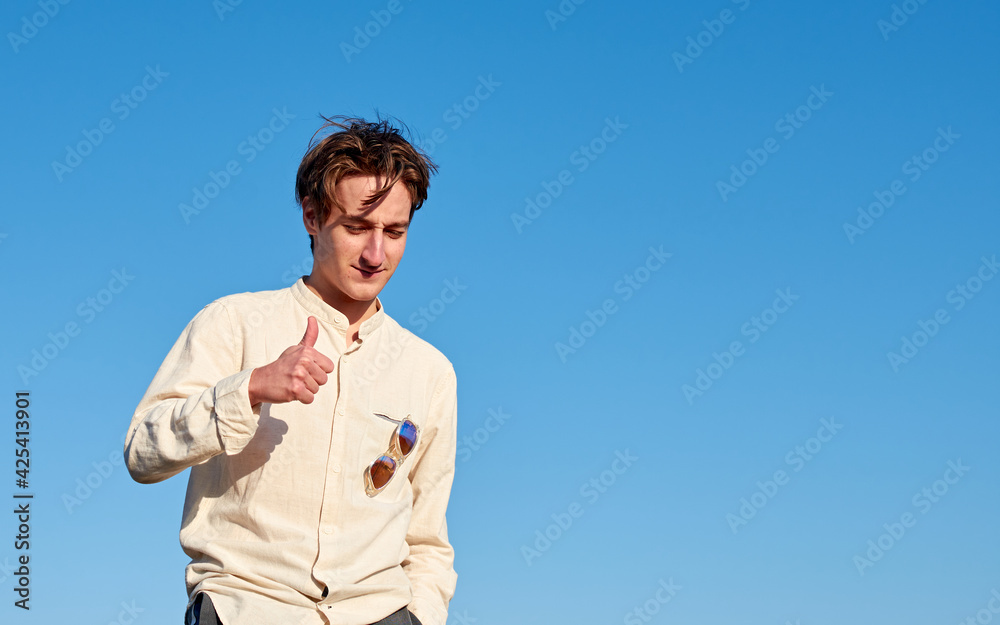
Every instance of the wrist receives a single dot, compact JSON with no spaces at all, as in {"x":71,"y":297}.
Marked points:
{"x":252,"y":394}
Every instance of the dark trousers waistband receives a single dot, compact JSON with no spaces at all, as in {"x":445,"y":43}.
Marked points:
{"x":202,"y":612}
{"x":401,"y":616}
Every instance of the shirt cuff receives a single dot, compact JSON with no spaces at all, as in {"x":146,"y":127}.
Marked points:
{"x":235,"y":418}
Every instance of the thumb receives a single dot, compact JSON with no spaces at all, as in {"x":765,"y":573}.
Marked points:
{"x":312,"y":331}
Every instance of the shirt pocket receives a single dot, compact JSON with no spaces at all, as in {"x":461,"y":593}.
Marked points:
{"x":375,"y":443}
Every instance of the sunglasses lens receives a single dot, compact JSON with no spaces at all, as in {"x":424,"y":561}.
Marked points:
{"x":407,"y":437}
{"x":381,"y":470}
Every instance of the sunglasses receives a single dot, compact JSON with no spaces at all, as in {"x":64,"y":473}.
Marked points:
{"x":401,"y":444}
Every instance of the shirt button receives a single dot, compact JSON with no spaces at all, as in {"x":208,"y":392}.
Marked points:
{"x":336,"y":468}
{"x":327,"y":530}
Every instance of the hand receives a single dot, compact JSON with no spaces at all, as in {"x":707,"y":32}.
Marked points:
{"x":297,"y":374}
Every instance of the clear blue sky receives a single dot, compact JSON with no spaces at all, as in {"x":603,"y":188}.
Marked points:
{"x":813,"y":343}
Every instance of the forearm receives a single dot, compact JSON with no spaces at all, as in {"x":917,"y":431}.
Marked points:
{"x":430,"y":563}
{"x":171,"y":434}
{"x":430,"y":569}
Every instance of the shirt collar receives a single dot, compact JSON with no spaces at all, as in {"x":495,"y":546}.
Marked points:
{"x":318,"y":307}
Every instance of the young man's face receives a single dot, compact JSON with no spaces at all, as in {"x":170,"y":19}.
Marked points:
{"x":357,"y":252}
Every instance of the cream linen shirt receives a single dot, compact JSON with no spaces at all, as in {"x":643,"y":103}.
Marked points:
{"x":276,"y":520}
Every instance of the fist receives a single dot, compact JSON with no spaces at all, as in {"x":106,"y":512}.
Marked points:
{"x":296,"y":375}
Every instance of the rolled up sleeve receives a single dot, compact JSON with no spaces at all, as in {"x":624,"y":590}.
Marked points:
{"x":198,"y":403}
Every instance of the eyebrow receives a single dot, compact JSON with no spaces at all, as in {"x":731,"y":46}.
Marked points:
{"x":368,"y":222}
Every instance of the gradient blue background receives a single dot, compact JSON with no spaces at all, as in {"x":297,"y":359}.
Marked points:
{"x":665,"y":517}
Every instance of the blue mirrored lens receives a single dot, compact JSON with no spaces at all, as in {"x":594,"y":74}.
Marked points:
{"x":407,"y":437}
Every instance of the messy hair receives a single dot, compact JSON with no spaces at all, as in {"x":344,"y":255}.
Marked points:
{"x":360,"y":148}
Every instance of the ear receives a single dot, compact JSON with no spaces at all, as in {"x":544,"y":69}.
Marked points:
{"x":309,"y":216}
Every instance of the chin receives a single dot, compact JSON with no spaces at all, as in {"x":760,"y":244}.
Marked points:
{"x":367,"y":292}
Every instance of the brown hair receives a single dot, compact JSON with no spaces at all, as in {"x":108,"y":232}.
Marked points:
{"x":360,"y":148}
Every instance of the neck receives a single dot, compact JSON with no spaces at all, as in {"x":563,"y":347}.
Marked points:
{"x":355,"y":310}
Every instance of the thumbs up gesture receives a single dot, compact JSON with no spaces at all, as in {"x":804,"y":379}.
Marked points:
{"x":297,"y":374}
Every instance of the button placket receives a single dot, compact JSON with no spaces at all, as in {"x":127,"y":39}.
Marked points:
{"x":333,"y":491}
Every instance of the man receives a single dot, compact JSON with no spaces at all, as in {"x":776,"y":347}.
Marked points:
{"x":320,"y":434}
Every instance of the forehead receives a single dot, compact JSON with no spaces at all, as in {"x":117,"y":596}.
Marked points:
{"x":393,"y":207}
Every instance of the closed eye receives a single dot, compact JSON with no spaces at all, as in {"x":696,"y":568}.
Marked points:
{"x":395,"y":234}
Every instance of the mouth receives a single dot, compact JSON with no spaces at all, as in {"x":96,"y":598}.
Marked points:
{"x":367,"y":274}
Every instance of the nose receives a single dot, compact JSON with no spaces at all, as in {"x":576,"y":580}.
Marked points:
{"x":373,"y":254}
